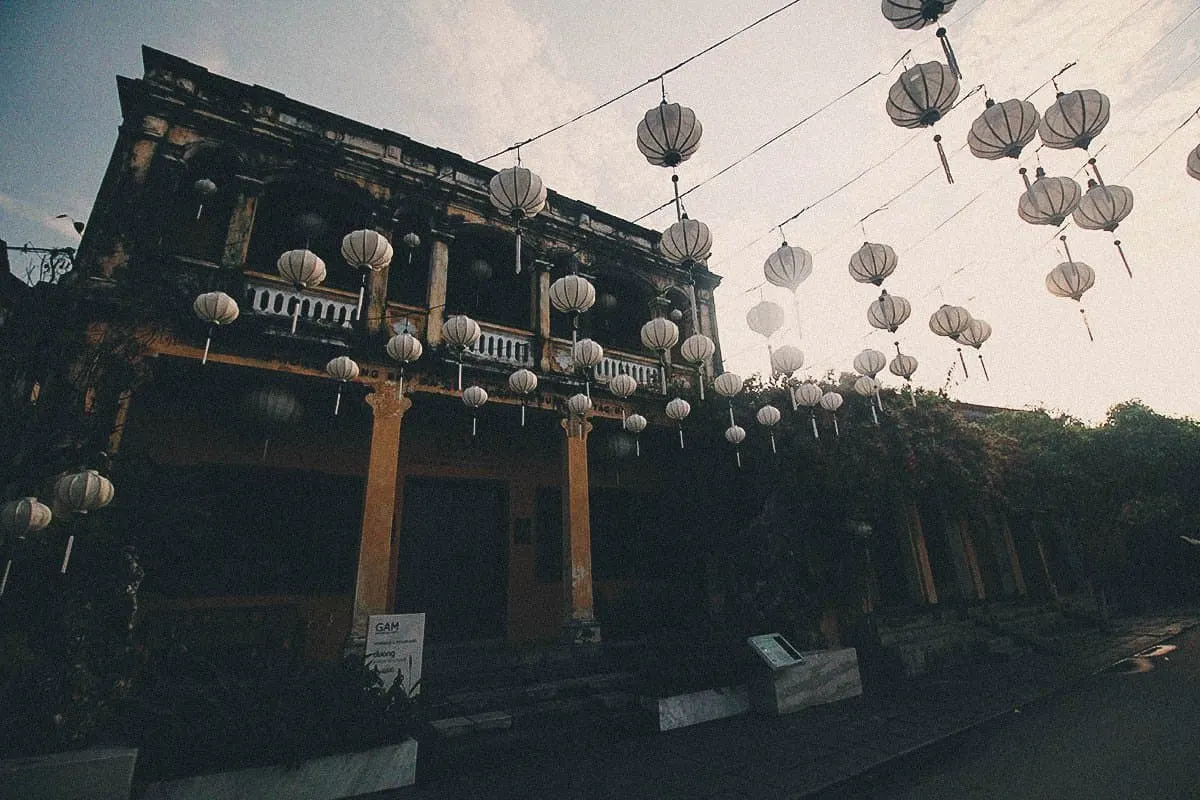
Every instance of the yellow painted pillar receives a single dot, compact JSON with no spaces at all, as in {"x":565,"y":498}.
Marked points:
{"x":1013,"y":559}
{"x":439,"y":270}
{"x":972,"y":559}
{"x":375,"y":316}
{"x":241,"y":224}
{"x":372,"y":588}
{"x":581,"y":625}
{"x":920,"y":555}
{"x":546,"y":345}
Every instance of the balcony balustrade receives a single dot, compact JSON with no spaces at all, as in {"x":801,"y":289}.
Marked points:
{"x":319,"y":306}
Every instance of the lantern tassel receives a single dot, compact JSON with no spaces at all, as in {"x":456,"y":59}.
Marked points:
{"x":67,"y":554}
{"x":266,"y":444}
{"x":700,"y":377}
{"x":874,"y":416}
{"x":1124,"y":260}
{"x":813,"y":419}
{"x":474,"y":425}
{"x":518,"y":248}
{"x":637,"y":446}
{"x":942,"y":155}
{"x":295,"y":314}
{"x":913,"y":395}
{"x":836,"y":430}
{"x":773,"y":450}
{"x":622,"y":416}
{"x":460,"y":374}
{"x":680,"y":437}
{"x":951,"y":61}
{"x":1086,"y":325}
{"x":207,"y":342}
{"x":522,"y":413}
{"x":738,"y":455}
{"x":985,"y":372}
{"x":337,"y":405}
{"x":795,"y":405}
{"x":402,"y":381}
{"x":662,"y":371}
{"x":963,"y":361}
{"x":199,"y":211}
{"x":878,"y":400}
{"x":732,"y":422}
{"x":4,"y":580}
{"x":362,"y":289}
{"x":796,"y":308}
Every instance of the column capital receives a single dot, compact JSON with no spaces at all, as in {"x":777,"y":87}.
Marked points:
{"x":385,"y":400}
{"x":576,"y":426}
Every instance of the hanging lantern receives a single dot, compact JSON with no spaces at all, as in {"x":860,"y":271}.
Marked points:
{"x":18,"y":519}
{"x":623,"y":386}
{"x":765,"y":319}
{"x":215,"y":308}
{"x":606,"y":302}
{"x":660,"y":335}
{"x":411,"y":242}
{"x":872,"y":263}
{"x":574,"y":295}
{"x":366,"y":251}
{"x":868,"y":387}
{"x":578,"y":405}
{"x":518,"y":194}
{"x":635,"y":424}
{"x":460,"y":332}
{"x":922,"y":96}
{"x":768,"y":417}
{"x":303,"y":269}
{"x":1003,"y":129}
{"x":341,"y":369}
{"x":696,"y":350}
{"x":272,"y":409}
{"x":206,"y":189}
{"x":587,"y":353}
{"x":81,"y":492}
{"x":1071,"y":279}
{"x":1074,"y":120}
{"x":729,"y":385}
{"x":889,"y":312}
{"x":678,"y":409}
{"x":1047,"y":201}
{"x":809,"y":396}
{"x":975,"y":335}
{"x":405,"y":348}
{"x":869,"y":362}
{"x":787,"y":268}
{"x":903,"y":366}
{"x":786,"y":360}
{"x":915,"y":14}
{"x":687,"y":242}
{"x":669,"y":134}
{"x":523,"y":382}
{"x":473,"y":398}
{"x":949,"y":321}
{"x":1103,"y":207}
{"x":1193,"y":163}
{"x":831,"y":402}
{"x":735,"y":435}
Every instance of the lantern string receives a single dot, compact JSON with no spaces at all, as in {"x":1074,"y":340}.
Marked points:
{"x":647,"y":82}
{"x":985,"y":373}
{"x":1083,"y":313}
{"x":1052,"y":79}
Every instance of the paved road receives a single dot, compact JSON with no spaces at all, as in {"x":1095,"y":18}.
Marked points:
{"x":1129,"y":732}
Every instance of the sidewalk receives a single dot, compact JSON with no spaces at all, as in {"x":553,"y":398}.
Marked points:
{"x":800,"y":754}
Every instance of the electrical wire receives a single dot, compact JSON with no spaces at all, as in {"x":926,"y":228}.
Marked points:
{"x":641,"y":85}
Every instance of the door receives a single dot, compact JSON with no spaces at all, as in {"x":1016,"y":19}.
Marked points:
{"x":453,"y":557}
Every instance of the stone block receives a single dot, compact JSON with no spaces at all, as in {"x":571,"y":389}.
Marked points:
{"x":681,"y":710}
{"x":96,"y":773}
{"x":823,"y":677}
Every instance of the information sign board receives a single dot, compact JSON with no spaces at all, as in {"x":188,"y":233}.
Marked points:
{"x":775,"y":650}
{"x":395,"y":643}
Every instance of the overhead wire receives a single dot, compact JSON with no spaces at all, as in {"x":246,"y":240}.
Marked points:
{"x":643,"y":84}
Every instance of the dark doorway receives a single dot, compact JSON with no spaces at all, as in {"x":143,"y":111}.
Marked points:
{"x":453,"y":557}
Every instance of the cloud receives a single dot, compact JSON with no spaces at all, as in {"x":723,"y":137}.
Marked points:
{"x":26,"y":210}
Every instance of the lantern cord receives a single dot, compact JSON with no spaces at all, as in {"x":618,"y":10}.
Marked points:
{"x":732,"y":422}
{"x":913,"y":396}
{"x":4,"y":580}
{"x":951,"y":61}
{"x":1124,"y":260}
{"x":766,"y":144}
{"x":963,"y":361}
{"x":874,"y":416}
{"x":474,"y":425}
{"x":522,"y":413}
{"x":937,"y":139}
{"x":1083,"y":313}
{"x":678,"y":203}
{"x":1146,"y":157}
{"x":644,"y":83}
{"x":207,"y":342}
{"x":199,"y":211}
{"x":337,"y":405}
{"x":773,"y":450}
{"x":67,"y":554}
{"x":637,"y":446}
{"x":836,"y":430}
{"x":681,"y":436}
{"x":813,"y":418}
{"x":1052,"y":79}
{"x":518,"y":248}
{"x":700,"y":378}
{"x":738,"y":454}
{"x":402,"y":380}
{"x":295,"y":314}
{"x":460,"y":373}
{"x":266,"y":444}
{"x":362,"y":290}
{"x":985,"y":372}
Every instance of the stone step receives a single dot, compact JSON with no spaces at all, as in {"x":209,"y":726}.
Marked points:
{"x":474,"y":701}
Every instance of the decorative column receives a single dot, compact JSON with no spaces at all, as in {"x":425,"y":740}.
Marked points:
{"x":580,"y":626}
{"x":920,"y":556}
{"x":1013,"y":559}
{"x":375,"y":316}
{"x":542,"y":327}
{"x":708,"y":325}
{"x":372,"y":587}
{"x":972,"y":559}
{"x":241,"y":222}
{"x":435,"y":301}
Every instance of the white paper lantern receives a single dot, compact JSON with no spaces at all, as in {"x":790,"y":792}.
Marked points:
{"x":1048,"y":201}
{"x":341,"y":369}
{"x":889,"y":312}
{"x":474,"y":398}
{"x":873,"y":262}
{"x":366,"y":250}
{"x":678,"y":410}
{"x":574,"y":295}
{"x":831,"y":402}
{"x":523,"y":382}
{"x":786,"y":360}
{"x":215,"y":308}
{"x":728,"y":384}
{"x":460,"y":332}
{"x":579,"y":405}
{"x":949,"y":320}
{"x":869,"y":362}
{"x":903,"y":366}
{"x":1103,"y":207}
{"x":921,"y":96}
{"x":1071,"y":279}
{"x":404,"y":347}
{"x":1193,"y":163}
{"x":686,"y":242}
{"x":1074,"y":119}
{"x":302,"y":268}
{"x":915,"y":14}
{"x":18,"y":519}
{"x":866,"y":386}
{"x":623,"y":385}
{"x":976,"y":333}
{"x":635,"y":424}
{"x":697,"y":348}
{"x":765,"y":318}
{"x":669,"y":134}
{"x":1003,"y":129}
{"x":735,"y":435}
{"x":587,"y":353}
{"x":788,"y":267}
{"x":518,"y":194}
{"x":807,"y":395}
{"x":768,"y":416}
{"x":660,"y":334}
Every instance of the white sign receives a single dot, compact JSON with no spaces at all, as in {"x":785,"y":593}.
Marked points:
{"x":394,"y":647}
{"x":775,"y":650}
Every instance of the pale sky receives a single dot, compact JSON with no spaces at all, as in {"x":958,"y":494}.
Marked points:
{"x":477,"y":75}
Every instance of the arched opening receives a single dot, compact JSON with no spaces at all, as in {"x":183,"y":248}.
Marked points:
{"x":408,"y":276}
{"x":623,"y":304}
{"x":483,"y":282}
{"x":296,"y":213}
{"x":197,"y":218}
